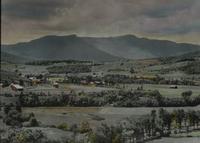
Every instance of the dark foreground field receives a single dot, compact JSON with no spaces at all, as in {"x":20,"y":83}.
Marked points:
{"x":94,"y":115}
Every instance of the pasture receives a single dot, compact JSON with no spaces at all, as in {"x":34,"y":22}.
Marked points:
{"x":165,"y":90}
{"x":94,"y":115}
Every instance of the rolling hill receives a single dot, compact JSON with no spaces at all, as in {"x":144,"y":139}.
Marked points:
{"x":6,"y":57}
{"x":98,"y":49}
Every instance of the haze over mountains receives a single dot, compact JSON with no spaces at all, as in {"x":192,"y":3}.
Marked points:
{"x":98,"y":49}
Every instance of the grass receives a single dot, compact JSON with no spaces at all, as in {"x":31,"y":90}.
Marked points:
{"x":61,"y":110}
{"x":116,"y":70}
{"x":96,"y":117}
{"x":165,"y":90}
{"x":191,"y":134}
{"x":195,"y":133}
{"x":8,"y":67}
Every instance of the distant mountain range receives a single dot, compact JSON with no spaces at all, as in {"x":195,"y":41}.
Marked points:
{"x":98,"y":49}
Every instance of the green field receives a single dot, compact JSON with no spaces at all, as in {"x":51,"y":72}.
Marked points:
{"x":165,"y":90}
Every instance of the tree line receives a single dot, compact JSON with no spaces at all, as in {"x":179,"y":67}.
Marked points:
{"x":116,"y":98}
{"x":50,"y":62}
{"x":157,"y":124}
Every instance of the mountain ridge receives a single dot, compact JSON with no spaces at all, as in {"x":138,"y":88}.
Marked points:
{"x":98,"y":48}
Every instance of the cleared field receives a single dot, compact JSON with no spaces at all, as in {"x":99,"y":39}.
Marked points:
{"x":85,"y":88}
{"x":73,"y":115}
{"x":8,"y":66}
{"x":195,"y":134}
{"x":63,"y":88}
{"x":177,"y":140}
{"x":101,"y":110}
{"x":94,"y":115}
{"x":165,"y":90}
{"x":191,"y":134}
{"x":60,"y":110}
{"x":29,"y":69}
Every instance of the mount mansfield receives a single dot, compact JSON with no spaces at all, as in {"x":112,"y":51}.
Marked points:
{"x":97,"y":49}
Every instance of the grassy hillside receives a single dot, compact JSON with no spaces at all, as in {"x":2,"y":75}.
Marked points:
{"x":192,"y":56}
{"x":130,"y":46}
{"x":11,"y":58}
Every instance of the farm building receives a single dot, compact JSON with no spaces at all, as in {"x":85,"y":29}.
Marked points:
{"x":84,"y":82}
{"x":56,"y":78}
{"x":16,"y":87}
{"x":55,"y":84}
{"x":174,"y":86}
{"x":34,"y":80}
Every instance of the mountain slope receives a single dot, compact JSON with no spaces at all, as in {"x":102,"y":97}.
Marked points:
{"x":99,"y":49}
{"x":6,"y":57}
{"x":189,"y":57}
{"x":130,"y":46}
{"x":59,"y":48}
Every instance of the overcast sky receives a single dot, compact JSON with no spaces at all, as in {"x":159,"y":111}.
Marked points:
{"x":177,"y":20}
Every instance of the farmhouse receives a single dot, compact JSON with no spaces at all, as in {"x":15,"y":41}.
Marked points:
{"x":16,"y":87}
{"x":55,"y":84}
{"x":84,"y":82}
{"x":174,"y":86}
{"x":34,"y":80}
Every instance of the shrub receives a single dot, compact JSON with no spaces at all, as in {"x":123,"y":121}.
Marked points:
{"x":85,"y":127}
{"x":34,"y":122}
{"x":63,"y":126}
{"x":13,"y":118}
{"x":27,"y":136}
{"x":186,"y":95}
{"x":74,"y":128}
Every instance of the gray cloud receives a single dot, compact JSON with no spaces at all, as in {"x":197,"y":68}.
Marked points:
{"x":28,"y":19}
{"x":166,"y":8}
{"x":34,"y":9}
